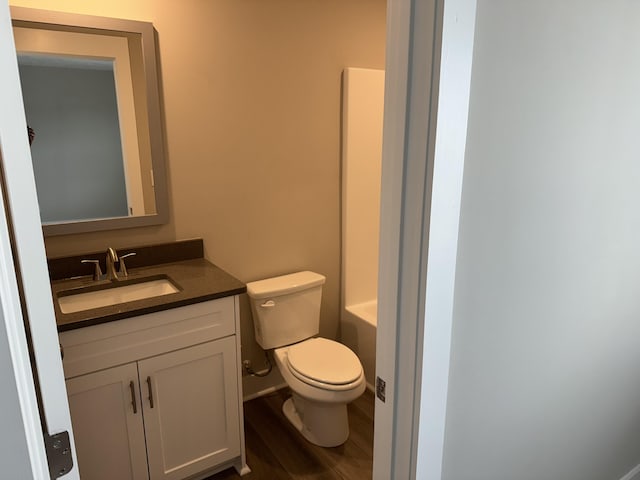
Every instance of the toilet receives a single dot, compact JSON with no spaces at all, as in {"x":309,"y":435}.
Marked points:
{"x":324,"y":375}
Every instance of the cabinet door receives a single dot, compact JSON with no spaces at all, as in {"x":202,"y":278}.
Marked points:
{"x":109,"y":431}
{"x":191,"y":409}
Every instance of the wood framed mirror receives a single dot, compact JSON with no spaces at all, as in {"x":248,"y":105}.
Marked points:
{"x":91,"y":96}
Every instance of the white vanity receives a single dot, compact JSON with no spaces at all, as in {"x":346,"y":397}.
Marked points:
{"x":158,"y":395}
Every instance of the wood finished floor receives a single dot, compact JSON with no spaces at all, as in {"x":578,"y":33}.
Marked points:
{"x":276,"y":451}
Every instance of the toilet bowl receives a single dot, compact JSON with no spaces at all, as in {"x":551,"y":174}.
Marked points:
{"x":318,"y":406}
{"x":323,"y":375}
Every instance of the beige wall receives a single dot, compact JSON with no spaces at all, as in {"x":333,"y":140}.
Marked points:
{"x":251,"y":97}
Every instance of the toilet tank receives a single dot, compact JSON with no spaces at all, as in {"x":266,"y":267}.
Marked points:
{"x":286,"y":309}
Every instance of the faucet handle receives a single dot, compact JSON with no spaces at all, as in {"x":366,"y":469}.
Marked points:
{"x":97,"y":272}
{"x":123,"y":267}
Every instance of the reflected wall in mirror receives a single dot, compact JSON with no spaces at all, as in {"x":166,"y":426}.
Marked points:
{"x":90,"y":92}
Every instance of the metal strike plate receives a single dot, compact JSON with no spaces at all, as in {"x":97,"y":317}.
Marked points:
{"x":59,"y":456}
{"x":381,"y":389}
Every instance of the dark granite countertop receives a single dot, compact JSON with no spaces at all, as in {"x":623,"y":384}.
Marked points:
{"x":197,"y":279}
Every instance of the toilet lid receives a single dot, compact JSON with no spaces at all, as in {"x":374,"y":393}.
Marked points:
{"x":325,"y":361}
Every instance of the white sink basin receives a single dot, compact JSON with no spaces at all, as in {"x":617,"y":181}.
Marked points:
{"x":114,"y":294}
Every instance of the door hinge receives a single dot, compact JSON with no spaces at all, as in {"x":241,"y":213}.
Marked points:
{"x":59,"y":457}
{"x":381,"y":389}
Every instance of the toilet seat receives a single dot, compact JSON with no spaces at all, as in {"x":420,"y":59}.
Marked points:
{"x":325,"y":364}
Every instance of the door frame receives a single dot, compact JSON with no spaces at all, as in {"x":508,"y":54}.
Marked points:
{"x":23,"y":262}
{"x":428,"y":77}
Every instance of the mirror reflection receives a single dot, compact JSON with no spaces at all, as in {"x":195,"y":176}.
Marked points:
{"x":72,"y":110}
{"x":93,"y":115}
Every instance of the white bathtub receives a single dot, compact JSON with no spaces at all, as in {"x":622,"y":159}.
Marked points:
{"x":359,"y":334}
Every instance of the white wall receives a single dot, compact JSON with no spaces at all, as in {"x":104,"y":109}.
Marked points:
{"x":362,"y":110}
{"x":545,"y":360}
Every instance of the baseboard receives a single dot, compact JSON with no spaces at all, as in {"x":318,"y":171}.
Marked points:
{"x":270,"y":390}
{"x":633,"y":474}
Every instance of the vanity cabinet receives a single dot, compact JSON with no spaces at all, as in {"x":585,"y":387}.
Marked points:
{"x":157,"y":396}
{"x":191,"y":411}
{"x":109,"y":436}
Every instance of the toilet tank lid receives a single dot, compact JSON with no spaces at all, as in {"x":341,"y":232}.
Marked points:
{"x":284,"y":284}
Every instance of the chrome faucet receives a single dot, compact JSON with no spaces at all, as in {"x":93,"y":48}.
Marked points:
{"x":112,"y":259}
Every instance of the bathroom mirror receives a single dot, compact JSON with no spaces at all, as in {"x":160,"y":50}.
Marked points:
{"x":90,"y":90}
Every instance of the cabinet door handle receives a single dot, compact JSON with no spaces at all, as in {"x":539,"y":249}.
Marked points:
{"x":150,"y":392}
{"x":133,"y":397}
